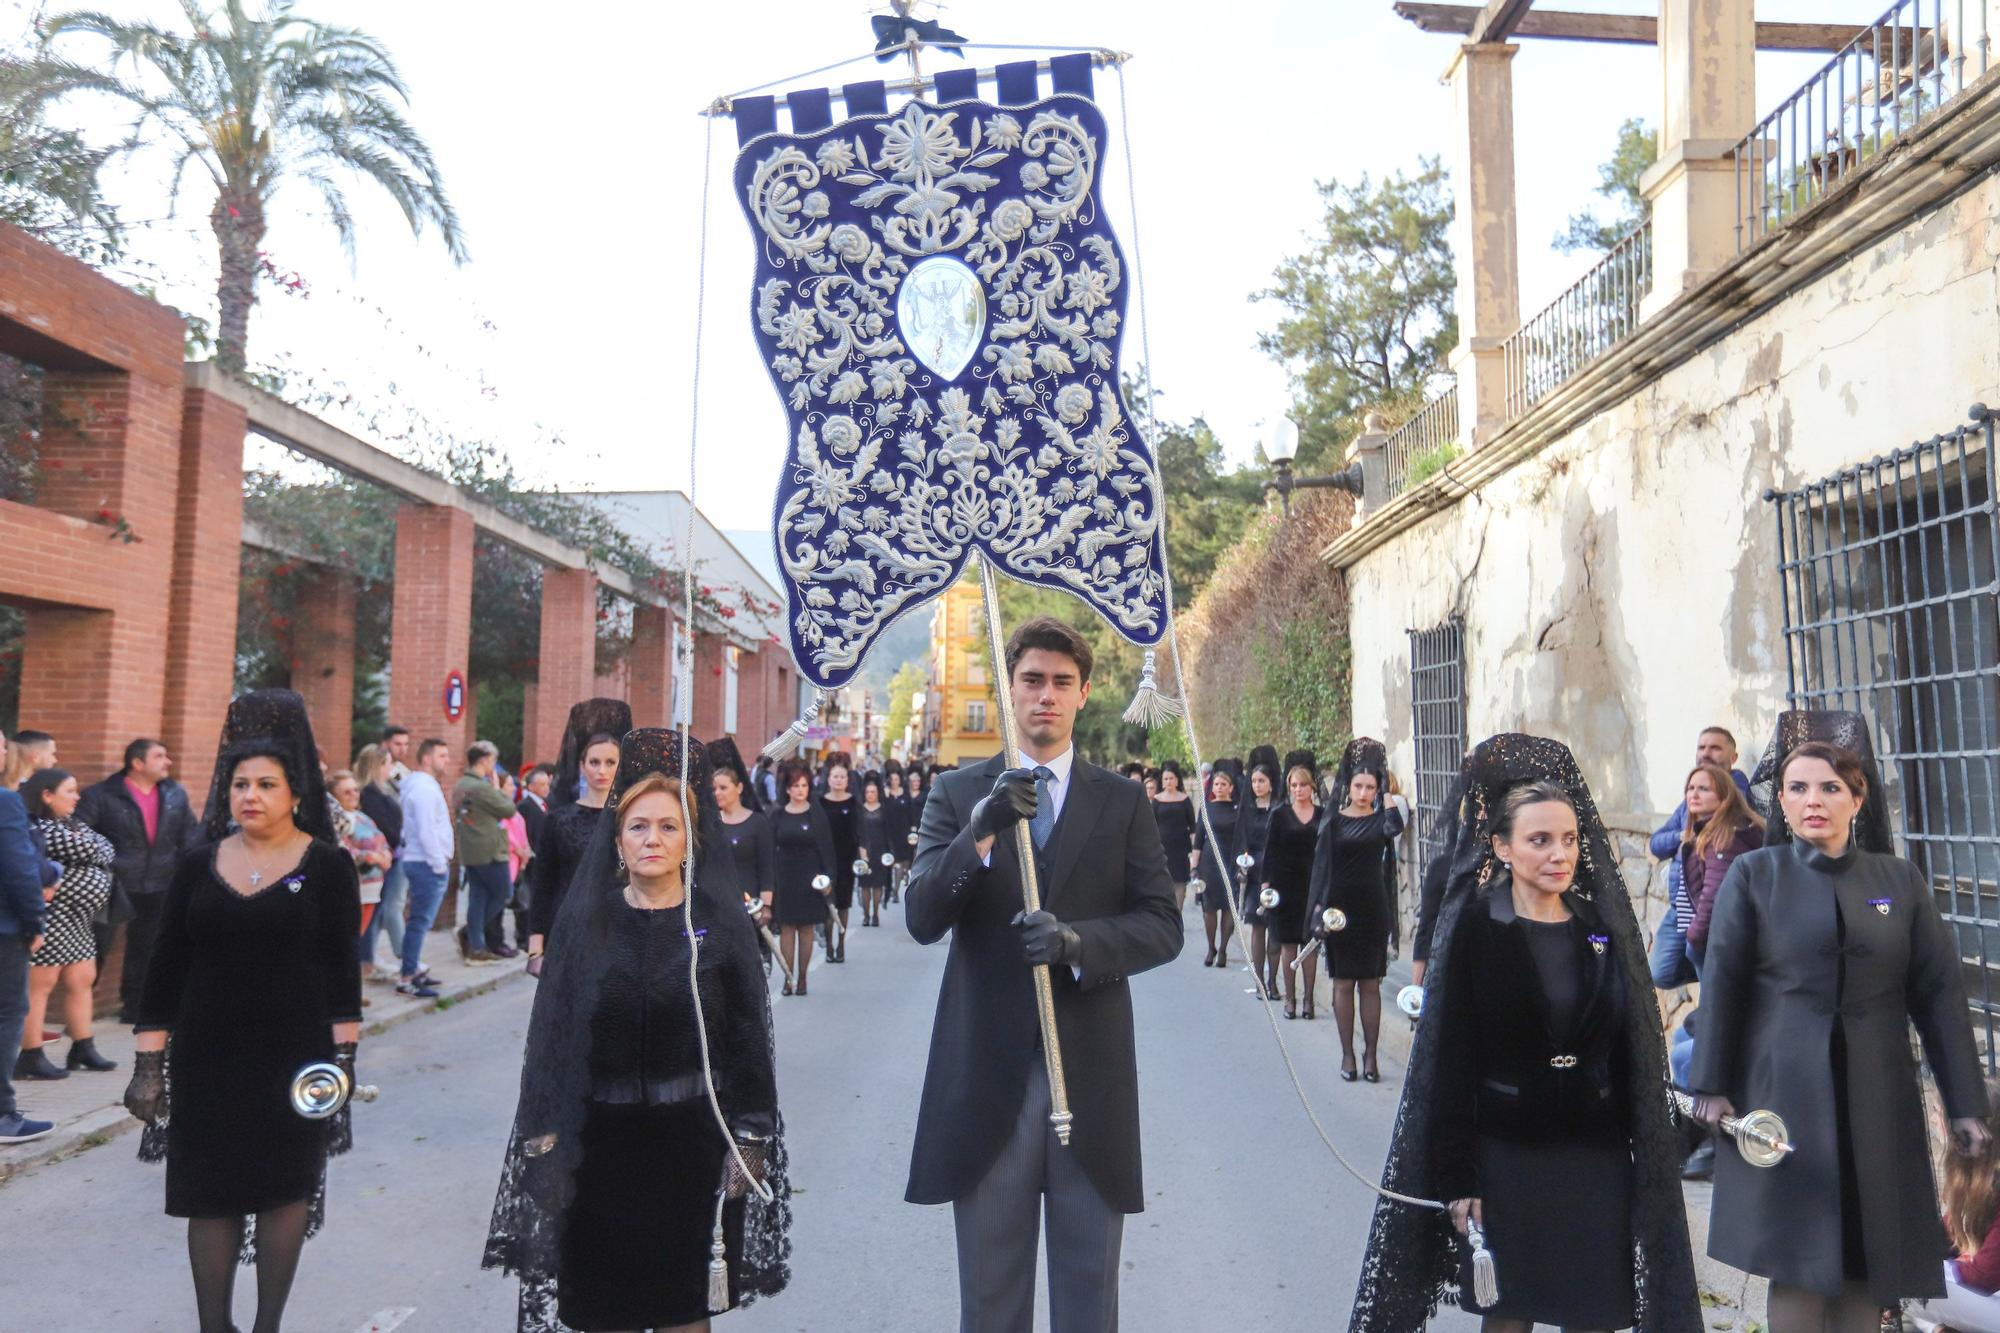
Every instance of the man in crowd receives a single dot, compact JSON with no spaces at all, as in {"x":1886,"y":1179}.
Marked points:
{"x":396,"y":744}
{"x":37,"y":748}
{"x":149,"y":822}
{"x":21,"y":911}
{"x":426,"y":854}
{"x":534,"y":802}
{"x":482,"y":854}
{"x":984,"y":1142}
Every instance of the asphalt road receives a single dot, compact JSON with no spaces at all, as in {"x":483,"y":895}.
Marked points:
{"x":1250,"y":1224}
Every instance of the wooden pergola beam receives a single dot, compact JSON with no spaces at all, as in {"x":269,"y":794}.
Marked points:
{"x":1632,"y":29}
{"x":1498,"y":20}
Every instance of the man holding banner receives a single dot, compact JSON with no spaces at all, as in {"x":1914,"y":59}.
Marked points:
{"x":984,"y":1140}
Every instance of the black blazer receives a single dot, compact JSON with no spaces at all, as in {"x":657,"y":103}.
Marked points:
{"x":1503,"y":1072}
{"x":1104,"y":876}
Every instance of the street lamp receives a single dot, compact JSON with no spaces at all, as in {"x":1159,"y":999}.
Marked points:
{"x":1282,"y":447}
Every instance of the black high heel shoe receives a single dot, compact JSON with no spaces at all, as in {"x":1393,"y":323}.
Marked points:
{"x":1372,"y":1074}
{"x":1347,"y":1075}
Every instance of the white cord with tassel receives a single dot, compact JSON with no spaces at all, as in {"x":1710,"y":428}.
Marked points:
{"x":1485,"y":1278}
{"x":718,"y":1260}
{"x":1151,"y":706}
{"x":789,"y":740}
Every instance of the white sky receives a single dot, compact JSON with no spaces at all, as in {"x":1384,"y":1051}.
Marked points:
{"x":574,"y":156}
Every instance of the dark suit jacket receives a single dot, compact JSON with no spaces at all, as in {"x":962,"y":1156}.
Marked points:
{"x":1104,"y":876}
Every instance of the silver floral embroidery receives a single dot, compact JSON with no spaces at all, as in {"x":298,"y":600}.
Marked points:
{"x":896,"y":474}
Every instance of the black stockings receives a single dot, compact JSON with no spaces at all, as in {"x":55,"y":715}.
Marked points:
{"x":213,"y":1246}
{"x":1367,"y":997}
{"x":1795,"y":1310}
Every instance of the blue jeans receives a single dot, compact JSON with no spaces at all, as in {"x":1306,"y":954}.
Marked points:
{"x":486,"y":890}
{"x":13,"y":1012}
{"x":426,"y":892}
{"x":1680,"y":1056}
{"x":1669,"y":958}
{"x":395,"y":896}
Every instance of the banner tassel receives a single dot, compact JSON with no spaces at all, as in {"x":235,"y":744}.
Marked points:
{"x":791,"y":738}
{"x":718,"y":1261}
{"x":1151,"y":706}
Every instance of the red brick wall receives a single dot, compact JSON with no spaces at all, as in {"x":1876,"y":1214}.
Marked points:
{"x":567,"y":658}
{"x":707,"y":716}
{"x":323,"y":664}
{"x":431,"y":632}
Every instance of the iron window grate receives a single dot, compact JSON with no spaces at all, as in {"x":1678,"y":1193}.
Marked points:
{"x":1887,"y":575}
{"x":1437,"y":710}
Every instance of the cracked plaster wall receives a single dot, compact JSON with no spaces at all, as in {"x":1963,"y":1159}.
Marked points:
{"x":1619,"y":588}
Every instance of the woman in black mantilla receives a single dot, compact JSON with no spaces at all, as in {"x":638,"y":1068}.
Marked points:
{"x":1824,"y":947}
{"x":618,"y":1178}
{"x":1535,"y":1097}
{"x":1259,"y":795}
{"x":803,"y":842}
{"x":1289,"y":849}
{"x":871,"y":844}
{"x":842,"y":811}
{"x":588,"y":761}
{"x":252,"y":976}
{"x":1174,"y":813}
{"x":747,"y":832}
{"x":1350,"y":863}
{"x":1216,"y":873}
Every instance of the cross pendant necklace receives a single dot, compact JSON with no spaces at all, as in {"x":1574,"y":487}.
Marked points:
{"x":256,"y":871}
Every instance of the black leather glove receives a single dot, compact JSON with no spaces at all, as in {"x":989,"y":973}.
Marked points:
{"x":1045,"y":941}
{"x":146,"y":1094}
{"x":1012,"y":800}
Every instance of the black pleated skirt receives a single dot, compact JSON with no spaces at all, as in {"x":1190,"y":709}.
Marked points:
{"x":635,"y":1246}
{"x":1559,"y":1224}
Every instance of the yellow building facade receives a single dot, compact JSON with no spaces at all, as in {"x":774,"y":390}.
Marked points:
{"x":961,"y":716}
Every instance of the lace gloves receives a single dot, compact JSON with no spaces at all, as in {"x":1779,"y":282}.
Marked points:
{"x":146,"y":1094}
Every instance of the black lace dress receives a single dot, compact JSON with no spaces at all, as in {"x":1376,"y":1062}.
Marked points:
{"x":249,"y":986}
{"x":1287,"y":867}
{"x":1347,"y":874}
{"x":756,"y":860}
{"x":635,"y":1245}
{"x":842,"y":819}
{"x":565,"y":835}
{"x":1253,"y":826}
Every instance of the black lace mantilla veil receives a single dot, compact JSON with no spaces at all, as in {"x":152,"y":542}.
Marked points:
{"x":590,"y":717}
{"x":276,"y":718}
{"x":1850,"y":732}
{"x":1364,"y":754}
{"x":1412,"y":1261}
{"x":526,"y":1226}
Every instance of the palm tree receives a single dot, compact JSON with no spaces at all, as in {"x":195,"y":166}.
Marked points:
{"x":255,"y":102}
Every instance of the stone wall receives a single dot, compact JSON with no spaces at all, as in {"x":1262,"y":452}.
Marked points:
{"x":1619,"y":587}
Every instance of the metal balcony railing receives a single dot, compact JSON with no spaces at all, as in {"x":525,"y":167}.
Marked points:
{"x":1600,"y":309}
{"x":1898,"y":73}
{"x":1423,"y":444}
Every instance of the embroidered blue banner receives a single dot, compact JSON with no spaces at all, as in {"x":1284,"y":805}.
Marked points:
{"x":939,"y":301}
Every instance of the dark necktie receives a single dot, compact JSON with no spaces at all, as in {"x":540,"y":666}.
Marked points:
{"x":1044,"y":821}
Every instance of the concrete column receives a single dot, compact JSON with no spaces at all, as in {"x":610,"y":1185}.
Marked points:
{"x":652,"y":678}
{"x":323,"y":664}
{"x":567,"y":662}
{"x":1485,"y":237}
{"x":200,"y":667}
{"x":1708,"y":102}
{"x":1368,"y":449}
{"x":431,"y":630}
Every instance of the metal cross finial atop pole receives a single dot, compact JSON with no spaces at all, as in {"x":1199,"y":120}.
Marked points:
{"x":1024,"y":847}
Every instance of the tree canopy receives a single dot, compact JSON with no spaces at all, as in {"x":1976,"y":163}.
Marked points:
{"x":1367,"y":309}
{"x":1618,"y":181}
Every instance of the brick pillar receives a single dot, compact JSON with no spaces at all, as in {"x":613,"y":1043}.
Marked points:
{"x":323,"y":664}
{"x":431,"y":629}
{"x":652,"y":666}
{"x":706,"y":720}
{"x":567,"y":669}
{"x":530,"y":703}
{"x":200,"y":668}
